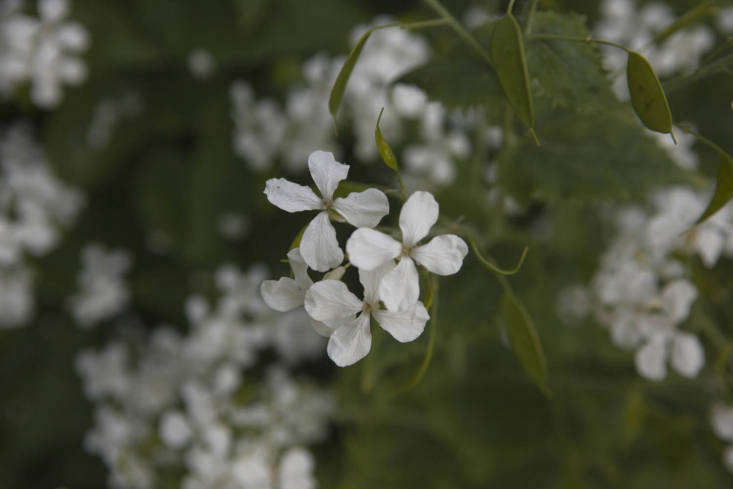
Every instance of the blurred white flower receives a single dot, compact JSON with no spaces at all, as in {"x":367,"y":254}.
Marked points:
{"x":102,"y":289}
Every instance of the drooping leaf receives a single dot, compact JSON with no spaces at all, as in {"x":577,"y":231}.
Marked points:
{"x":723,"y":188}
{"x":647,"y":96}
{"x":524,"y":340}
{"x":384,"y":150}
{"x":507,"y":52}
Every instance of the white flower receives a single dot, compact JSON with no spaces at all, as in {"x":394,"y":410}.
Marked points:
{"x":319,"y":246}
{"x":443,"y":255}
{"x":349,"y":318}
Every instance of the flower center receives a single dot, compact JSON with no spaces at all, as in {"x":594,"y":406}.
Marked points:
{"x":326,"y":204}
{"x":406,"y":250}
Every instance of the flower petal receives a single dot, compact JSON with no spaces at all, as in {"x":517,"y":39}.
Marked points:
{"x":400,"y":288}
{"x":290,"y":196}
{"x":351,"y":341}
{"x":326,"y":172}
{"x":417,"y":216}
{"x":322,"y":328}
{"x":329,"y":300}
{"x":363,"y":209}
{"x":299,"y":268}
{"x":688,"y":355}
{"x":443,"y":255}
{"x":371,"y":279}
{"x":282,"y":295}
{"x":319,"y":246}
{"x":651,"y":360}
{"x":404,"y":325}
{"x":368,"y":248}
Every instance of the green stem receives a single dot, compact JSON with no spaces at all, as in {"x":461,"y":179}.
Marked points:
{"x":589,"y":40}
{"x":431,"y":339}
{"x":463,"y":33}
{"x":530,"y":16}
{"x":705,"y":140}
{"x":424,"y":24}
{"x":495,"y":268}
{"x":510,"y":7}
{"x":721,"y":64}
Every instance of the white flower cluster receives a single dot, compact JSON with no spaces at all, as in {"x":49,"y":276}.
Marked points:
{"x":391,"y":291}
{"x":642,"y":290}
{"x":34,"y":207}
{"x":43,"y":51}
{"x":624,"y":23}
{"x":721,"y":418}
{"x":102,"y":290}
{"x":265,"y":133}
{"x":183,"y":409}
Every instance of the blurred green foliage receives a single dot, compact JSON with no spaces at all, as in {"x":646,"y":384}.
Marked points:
{"x":476,"y":420}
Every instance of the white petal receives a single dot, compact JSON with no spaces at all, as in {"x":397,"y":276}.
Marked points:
{"x":405,"y":325}
{"x":417,"y":216}
{"x":290,"y":196}
{"x":368,"y":248}
{"x":326,"y":172}
{"x":299,"y":268}
{"x":400,"y":288}
{"x":371,"y":279}
{"x":350,"y":342}
{"x":319,"y":246}
{"x":329,"y":300}
{"x":321,"y":328}
{"x":282,"y":295}
{"x":443,"y":255}
{"x":677,"y":299}
{"x":651,"y":360}
{"x":688,"y":355}
{"x":363,"y":209}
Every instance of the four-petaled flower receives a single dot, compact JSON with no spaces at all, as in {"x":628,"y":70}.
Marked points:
{"x":318,"y":245}
{"x":443,"y":255}
{"x":349,"y":318}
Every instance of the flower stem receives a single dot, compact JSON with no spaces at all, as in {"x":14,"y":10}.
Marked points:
{"x":462,"y":33}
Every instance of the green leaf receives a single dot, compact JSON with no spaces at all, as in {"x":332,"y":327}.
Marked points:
{"x":723,"y":188}
{"x":458,"y":78}
{"x":647,"y":95}
{"x":525,"y":341}
{"x":384,"y":150}
{"x":339,"y":86}
{"x":507,"y":52}
{"x":298,"y":237}
{"x":566,"y":75}
{"x":588,"y":158}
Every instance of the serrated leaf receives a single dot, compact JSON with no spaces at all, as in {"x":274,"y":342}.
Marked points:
{"x":339,"y":86}
{"x":647,"y":96}
{"x":524,"y":340}
{"x":566,"y":75}
{"x":384,"y":150}
{"x":458,"y":78}
{"x":588,"y":158}
{"x":723,"y":188}
{"x":507,"y":53}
